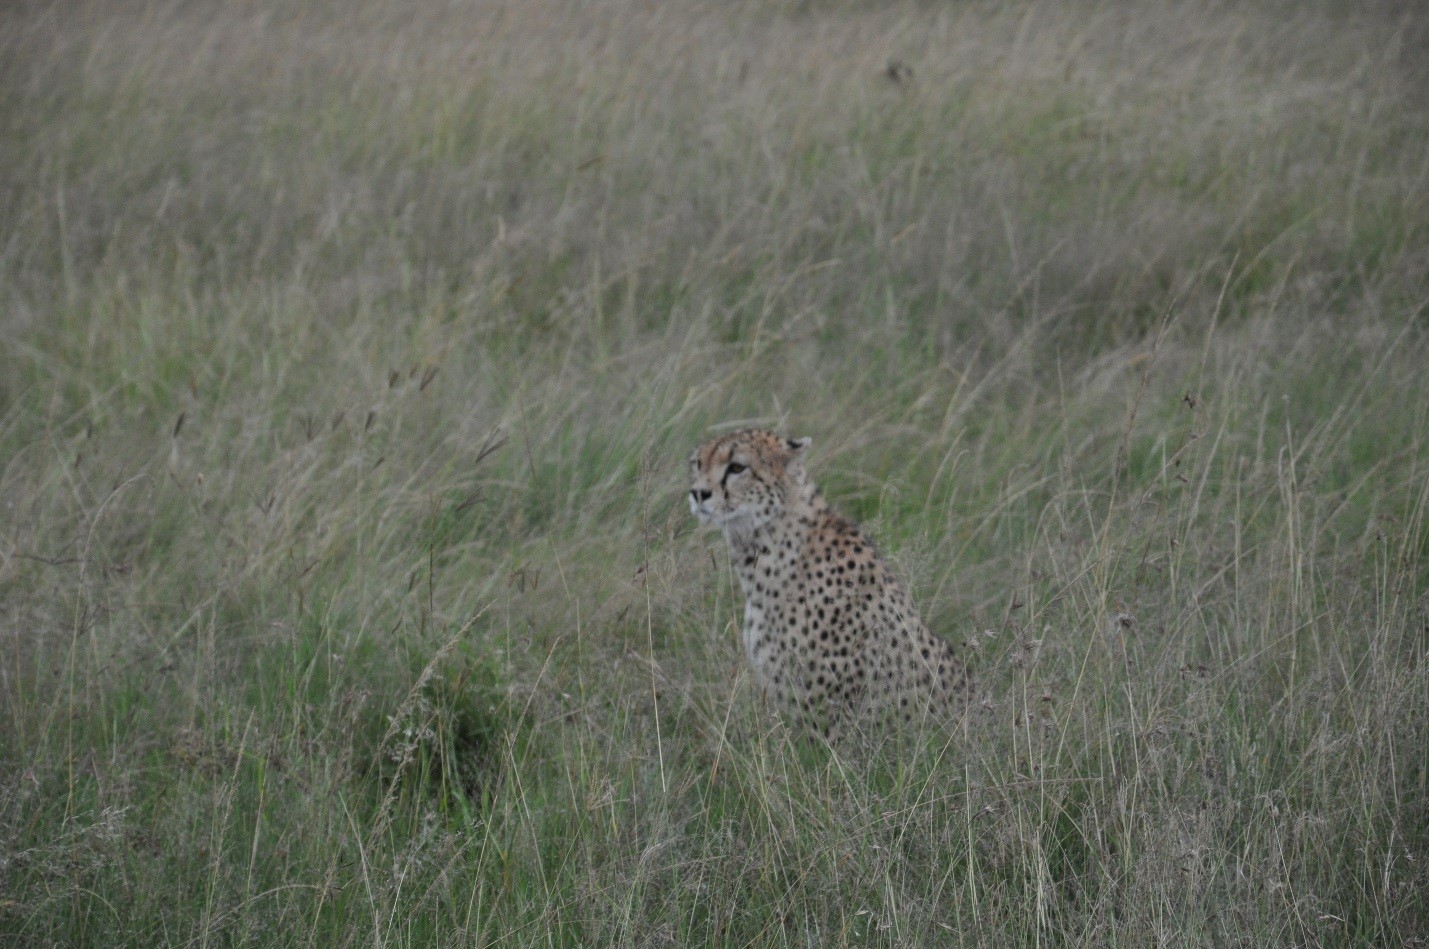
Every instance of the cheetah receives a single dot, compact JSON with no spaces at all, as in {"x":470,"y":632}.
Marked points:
{"x":833,"y":638}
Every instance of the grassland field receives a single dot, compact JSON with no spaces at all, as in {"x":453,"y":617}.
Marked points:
{"x":350,"y":355}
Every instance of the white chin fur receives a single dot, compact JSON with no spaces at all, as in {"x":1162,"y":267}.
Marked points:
{"x":725,"y":519}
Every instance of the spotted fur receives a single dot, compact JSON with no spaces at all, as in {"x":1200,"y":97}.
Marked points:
{"x":830,"y":633}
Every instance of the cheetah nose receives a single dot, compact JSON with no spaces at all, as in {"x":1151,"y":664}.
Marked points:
{"x":700,"y":494}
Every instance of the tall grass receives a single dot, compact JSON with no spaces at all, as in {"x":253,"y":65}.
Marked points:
{"x":351,"y":353}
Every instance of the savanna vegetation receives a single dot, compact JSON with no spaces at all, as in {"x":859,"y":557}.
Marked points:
{"x":350,"y":354}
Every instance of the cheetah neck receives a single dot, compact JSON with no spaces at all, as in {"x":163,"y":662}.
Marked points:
{"x":756,"y":548}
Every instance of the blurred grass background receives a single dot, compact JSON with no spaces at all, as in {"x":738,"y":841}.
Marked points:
{"x":350,"y":354}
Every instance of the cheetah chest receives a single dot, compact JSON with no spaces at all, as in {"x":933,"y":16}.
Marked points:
{"x":799,"y":631}
{"x":768,"y":574}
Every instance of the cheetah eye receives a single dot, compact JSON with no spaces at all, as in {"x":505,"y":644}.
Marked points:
{"x":735,"y":468}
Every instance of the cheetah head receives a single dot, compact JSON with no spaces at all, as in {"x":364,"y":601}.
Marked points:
{"x":745,"y":479}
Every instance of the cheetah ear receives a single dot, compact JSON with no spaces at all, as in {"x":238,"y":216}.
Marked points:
{"x":798,"y":444}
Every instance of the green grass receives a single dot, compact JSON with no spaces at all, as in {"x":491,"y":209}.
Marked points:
{"x":350,"y":355}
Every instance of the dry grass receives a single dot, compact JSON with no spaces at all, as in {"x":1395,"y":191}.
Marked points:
{"x":351,"y":352}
